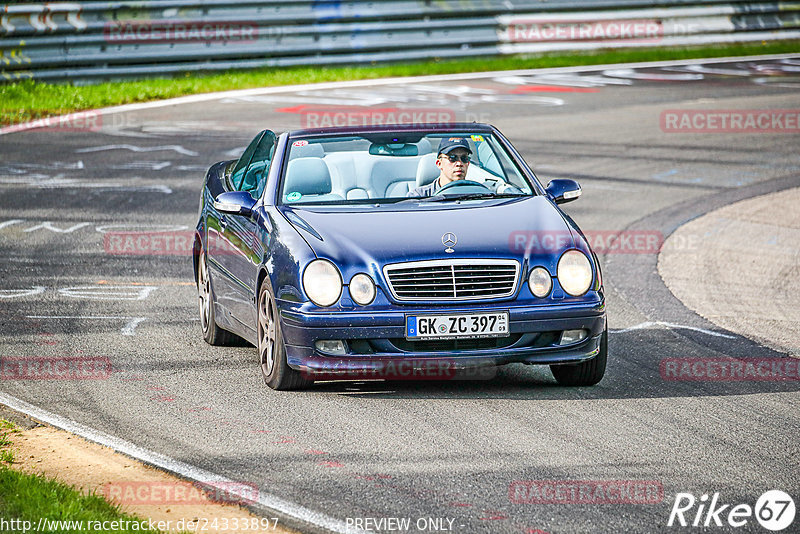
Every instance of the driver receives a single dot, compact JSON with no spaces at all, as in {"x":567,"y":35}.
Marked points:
{"x":452,"y":159}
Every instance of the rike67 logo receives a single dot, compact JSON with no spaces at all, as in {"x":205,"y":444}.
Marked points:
{"x":774,"y":510}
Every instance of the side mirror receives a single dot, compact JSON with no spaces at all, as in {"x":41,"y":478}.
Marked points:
{"x":562,"y":191}
{"x":235,"y":203}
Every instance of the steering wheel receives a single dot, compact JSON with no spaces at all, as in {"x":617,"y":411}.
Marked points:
{"x":479,"y":187}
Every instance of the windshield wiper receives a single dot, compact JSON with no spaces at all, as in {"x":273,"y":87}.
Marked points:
{"x":469,"y":196}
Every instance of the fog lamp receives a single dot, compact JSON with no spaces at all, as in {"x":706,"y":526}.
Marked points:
{"x":331,"y":346}
{"x":569,"y":337}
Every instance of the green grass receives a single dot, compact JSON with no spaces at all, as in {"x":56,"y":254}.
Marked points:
{"x":28,"y":497}
{"x":6,"y":429}
{"x":27,"y":100}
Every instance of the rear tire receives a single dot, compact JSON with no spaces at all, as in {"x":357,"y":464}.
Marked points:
{"x":212,"y":334}
{"x":586,"y":373}
{"x":271,"y":349}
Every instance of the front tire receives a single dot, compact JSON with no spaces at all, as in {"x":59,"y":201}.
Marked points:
{"x":212,"y":334}
{"x":271,"y":349}
{"x":586,"y":373}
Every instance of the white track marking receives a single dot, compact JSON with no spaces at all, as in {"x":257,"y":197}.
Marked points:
{"x":129,"y":329}
{"x":15,"y":293}
{"x":567,"y":79}
{"x":133,"y":227}
{"x":631,"y":74}
{"x":48,"y":225}
{"x":651,"y":324}
{"x":133,"y":148}
{"x":177,"y":467}
{"x":9,"y":223}
{"x":43,"y":181}
{"x":146,"y":165}
{"x":108,"y":292}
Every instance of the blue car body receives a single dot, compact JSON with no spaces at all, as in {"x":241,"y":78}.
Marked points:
{"x":246,"y":243}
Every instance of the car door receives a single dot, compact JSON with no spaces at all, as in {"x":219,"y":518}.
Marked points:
{"x":238,"y":252}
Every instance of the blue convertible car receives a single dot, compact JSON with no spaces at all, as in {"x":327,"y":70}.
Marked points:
{"x":418,"y":250}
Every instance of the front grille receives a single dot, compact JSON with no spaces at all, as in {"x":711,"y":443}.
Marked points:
{"x":447,"y":345}
{"x":456,"y":279}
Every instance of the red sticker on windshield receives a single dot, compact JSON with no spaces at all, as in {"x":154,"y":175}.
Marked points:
{"x":300,"y":143}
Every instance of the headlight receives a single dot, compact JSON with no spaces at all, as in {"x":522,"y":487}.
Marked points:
{"x":540,"y":282}
{"x":322,"y":283}
{"x":574,"y":272}
{"x":362,"y":289}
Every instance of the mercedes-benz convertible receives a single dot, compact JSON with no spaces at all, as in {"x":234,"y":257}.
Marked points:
{"x":402,"y":251}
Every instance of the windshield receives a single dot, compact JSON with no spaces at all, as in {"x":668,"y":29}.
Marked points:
{"x":390,"y":167}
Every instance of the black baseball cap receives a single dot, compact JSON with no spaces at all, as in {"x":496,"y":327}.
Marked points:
{"x":449,"y":143}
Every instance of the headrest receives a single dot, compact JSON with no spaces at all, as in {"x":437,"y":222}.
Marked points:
{"x":311,"y":150}
{"x":308,"y":176}
{"x":423,"y":146}
{"x":427,"y":171}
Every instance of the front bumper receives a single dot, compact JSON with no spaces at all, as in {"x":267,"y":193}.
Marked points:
{"x":376,"y":339}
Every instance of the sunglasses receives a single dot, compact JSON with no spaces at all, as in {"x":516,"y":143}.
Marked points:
{"x":453,"y":158}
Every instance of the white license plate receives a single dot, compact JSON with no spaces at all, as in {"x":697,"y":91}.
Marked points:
{"x":464,"y":325}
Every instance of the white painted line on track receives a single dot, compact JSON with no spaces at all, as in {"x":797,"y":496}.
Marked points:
{"x":205,"y":97}
{"x":177,"y":467}
{"x":128,"y":329}
{"x":15,"y":293}
{"x":133,"y":148}
{"x":650,"y":324}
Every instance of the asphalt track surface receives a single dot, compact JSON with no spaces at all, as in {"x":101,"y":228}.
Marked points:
{"x":450,"y":450}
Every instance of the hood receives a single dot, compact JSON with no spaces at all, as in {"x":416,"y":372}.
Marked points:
{"x":376,"y":236}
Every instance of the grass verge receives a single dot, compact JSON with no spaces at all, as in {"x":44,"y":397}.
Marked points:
{"x":26,"y":498}
{"x":28,"y":100}
{"x":6,"y":429}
